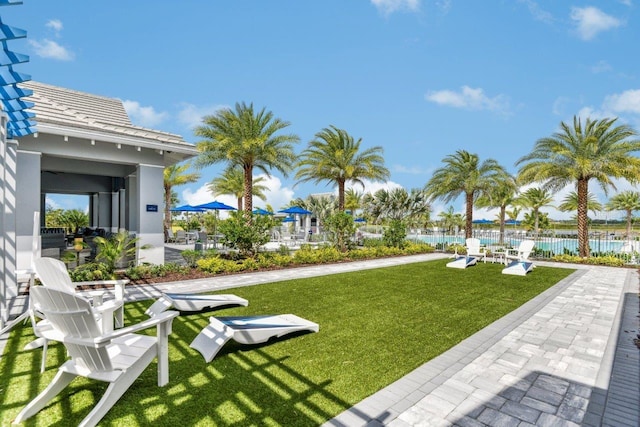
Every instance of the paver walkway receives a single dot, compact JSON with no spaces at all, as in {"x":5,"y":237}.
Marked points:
{"x":566,"y":358}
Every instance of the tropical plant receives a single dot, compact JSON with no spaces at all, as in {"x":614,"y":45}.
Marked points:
{"x":627,"y":201}
{"x":73,"y":219}
{"x":246,"y":237}
{"x":535,"y":222}
{"x":398,"y":204}
{"x":232,"y":182}
{"x":464,"y":174}
{"x":334,"y":156}
{"x":247,"y":140}
{"x":450,"y":219}
{"x":503,"y":194}
{"x":570,"y":203}
{"x":352,"y":200}
{"x":342,"y":228}
{"x":174,"y":176}
{"x":395,"y":234}
{"x":54,"y":217}
{"x":575,"y":155}
{"x":535,"y":199}
{"x":115,"y":249}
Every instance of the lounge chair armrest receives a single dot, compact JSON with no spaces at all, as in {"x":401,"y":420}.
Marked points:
{"x":158,"y":320}
{"x":108,"y":307}
{"x":118,"y":285}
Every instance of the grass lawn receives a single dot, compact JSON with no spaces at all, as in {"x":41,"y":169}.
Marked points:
{"x":375,"y":327}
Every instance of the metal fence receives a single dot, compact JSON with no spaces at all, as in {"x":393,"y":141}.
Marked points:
{"x":562,"y":242}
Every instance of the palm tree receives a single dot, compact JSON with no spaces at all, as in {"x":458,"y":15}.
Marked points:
{"x":535,"y":199}
{"x":232,"y":182}
{"x":501,"y":196}
{"x":451,"y":219}
{"x":174,"y":175}
{"x":576,"y":155}
{"x":334,"y":156}
{"x":246,"y":139}
{"x":627,"y":201}
{"x":570,"y":203}
{"x":352,"y":200}
{"x":74,"y":219}
{"x":465,"y":175}
{"x":399,"y":204}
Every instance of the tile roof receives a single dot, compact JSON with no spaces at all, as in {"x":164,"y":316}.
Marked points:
{"x":65,"y":107}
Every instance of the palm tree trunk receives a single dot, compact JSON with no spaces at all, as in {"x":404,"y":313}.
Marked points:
{"x":240,"y":203}
{"x":248,"y":191}
{"x":503,"y":210}
{"x":629,"y":218}
{"x":167,"y":212}
{"x":341,"y":195}
{"x":583,"y":229}
{"x":468,"y":229}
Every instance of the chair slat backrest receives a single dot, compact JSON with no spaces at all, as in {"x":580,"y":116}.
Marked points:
{"x":473,"y":245}
{"x":525,"y":248}
{"x":72,"y":316}
{"x":53,"y":274}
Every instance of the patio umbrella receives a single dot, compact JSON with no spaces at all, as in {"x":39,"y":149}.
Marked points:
{"x":482,"y":221}
{"x":216,"y":206}
{"x":361,"y":220}
{"x":512,"y":222}
{"x":289,"y":219}
{"x":187,"y":209}
{"x":296,"y":210}
{"x":260,"y":211}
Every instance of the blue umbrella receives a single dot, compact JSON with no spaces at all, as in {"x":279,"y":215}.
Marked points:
{"x":295,"y":210}
{"x":217,"y":206}
{"x":512,"y":222}
{"x":187,"y":208}
{"x":360,"y":220}
{"x":260,"y":211}
{"x":289,"y":219}
{"x":482,"y":221}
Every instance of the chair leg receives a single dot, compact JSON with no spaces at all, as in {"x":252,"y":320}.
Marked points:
{"x":60,"y":381}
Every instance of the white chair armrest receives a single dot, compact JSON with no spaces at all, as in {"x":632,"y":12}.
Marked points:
{"x":161,"y":318}
{"x":118,"y":285}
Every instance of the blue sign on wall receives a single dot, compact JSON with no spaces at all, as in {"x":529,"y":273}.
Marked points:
{"x":152,"y":208}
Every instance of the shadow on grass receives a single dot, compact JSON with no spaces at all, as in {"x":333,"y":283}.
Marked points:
{"x":243,"y":385}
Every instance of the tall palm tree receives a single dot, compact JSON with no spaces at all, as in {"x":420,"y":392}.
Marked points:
{"x":232,"y":182}
{"x":399,"y":204}
{"x":464,"y":174}
{"x":502,"y":195}
{"x":535,"y":199}
{"x":174,"y":176}
{"x":246,"y":139}
{"x":575,"y":155}
{"x":334,"y":156}
{"x":570,"y":203}
{"x":627,"y":201}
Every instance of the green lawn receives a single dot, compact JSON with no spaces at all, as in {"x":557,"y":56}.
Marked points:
{"x":375,"y":327}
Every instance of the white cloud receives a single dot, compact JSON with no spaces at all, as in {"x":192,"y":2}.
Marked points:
{"x":144,"y":116}
{"x":414,"y":170}
{"x":55,"y":25}
{"x":590,"y":21}
{"x":470,"y":99}
{"x":601,"y":67}
{"x":372,"y":187}
{"x":560,"y":105}
{"x":625,"y":102}
{"x":538,"y":13}
{"x":444,"y":6}
{"x":387,"y":7}
{"x":50,"y":49}
{"x":191,"y":115}
{"x":626,"y":2}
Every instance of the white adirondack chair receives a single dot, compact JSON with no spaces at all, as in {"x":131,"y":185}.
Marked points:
{"x":475,"y":250}
{"x":522,"y":253}
{"x":118,"y":357}
{"x":53,"y":274}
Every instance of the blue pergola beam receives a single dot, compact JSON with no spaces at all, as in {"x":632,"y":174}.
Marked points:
{"x":14,"y":92}
{"x":8,"y":57}
{"x":11,"y":33}
{"x":15,"y":104}
{"x":10,"y":2}
{"x":9,"y":77}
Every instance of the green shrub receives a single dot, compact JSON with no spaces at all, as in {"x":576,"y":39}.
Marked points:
{"x":90,"y":271}
{"x":363,"y":253}
{"x":413,"y":248}
{"x":395,"y":234}
{"x":217,"y":265}
{"x":191,"y":257}
{"x":282,"y":260}
{"x":304,"y":255}
{"x":371,"y":242}
{"x":610,"y":261}
{"x":341,"y":228}
{"x":244,"y":236}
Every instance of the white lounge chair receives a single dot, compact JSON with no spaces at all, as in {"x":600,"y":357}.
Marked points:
{"x":247,"y":330}
{"x":475,"y":250}
{"x":462,"y":262}
{"x":517,"y":260}
{"x":118,"y":357}
{"x":194,"y":303}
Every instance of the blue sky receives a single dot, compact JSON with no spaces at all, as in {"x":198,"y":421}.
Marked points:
{"x":421,"y":78}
